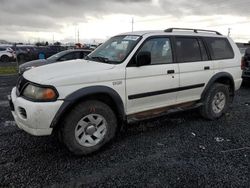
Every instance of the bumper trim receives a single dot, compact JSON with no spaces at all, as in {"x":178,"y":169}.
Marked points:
{"x":35,"y":132}
{"x":39,"y":115}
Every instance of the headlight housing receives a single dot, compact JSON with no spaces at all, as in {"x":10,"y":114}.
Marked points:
{"x":39,"y":93}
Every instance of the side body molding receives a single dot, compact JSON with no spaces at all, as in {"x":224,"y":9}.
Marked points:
{"x":80,"y":94}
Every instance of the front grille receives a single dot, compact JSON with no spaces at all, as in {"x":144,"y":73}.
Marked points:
{"x":21,"y":83}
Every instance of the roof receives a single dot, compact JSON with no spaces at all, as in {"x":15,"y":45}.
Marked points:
{"x":79,"y":49}
{"x":176,"y":31}
{"x":140,"y":33}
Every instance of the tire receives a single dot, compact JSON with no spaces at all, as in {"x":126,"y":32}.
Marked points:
{"x":88,"y":127}
{"x":213,"y":109}
{"x":5,"y":58}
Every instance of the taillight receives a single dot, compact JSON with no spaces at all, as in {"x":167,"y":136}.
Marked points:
{"x":243,"y":63}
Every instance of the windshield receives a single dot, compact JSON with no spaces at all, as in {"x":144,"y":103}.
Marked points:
{"x":115,"y":50}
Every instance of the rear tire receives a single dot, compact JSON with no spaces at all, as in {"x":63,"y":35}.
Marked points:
{"x":88,"y":127}
{"x":216,"y":102}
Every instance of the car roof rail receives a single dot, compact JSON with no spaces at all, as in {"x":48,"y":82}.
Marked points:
{"x":194,"y":30}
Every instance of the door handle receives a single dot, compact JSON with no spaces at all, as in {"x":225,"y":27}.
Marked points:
{"x":170,"y":71}
{"x":206,"y":68}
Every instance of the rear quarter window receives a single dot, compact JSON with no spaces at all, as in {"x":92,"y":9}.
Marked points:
{"x":219,"y":48}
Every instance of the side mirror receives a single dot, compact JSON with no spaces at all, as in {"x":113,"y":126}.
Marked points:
{"x":143,"y":58}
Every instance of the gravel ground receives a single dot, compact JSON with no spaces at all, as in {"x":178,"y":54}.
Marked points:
{"x":179,"y":150}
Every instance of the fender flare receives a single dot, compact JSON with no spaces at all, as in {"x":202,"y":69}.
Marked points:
{"x":215,"y":78}
{"x":80,"y":94}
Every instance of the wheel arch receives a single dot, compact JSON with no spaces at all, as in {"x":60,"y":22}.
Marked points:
{"x":223,"y":78}
{"x":101,"y":93}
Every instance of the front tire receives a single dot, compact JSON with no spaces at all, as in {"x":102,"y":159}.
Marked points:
{"x":88,"y":127}
{"x":216,"y":102}
{"x":5,"y":59}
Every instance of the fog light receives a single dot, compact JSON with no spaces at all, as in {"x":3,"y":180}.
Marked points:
{"x":22,"y":112}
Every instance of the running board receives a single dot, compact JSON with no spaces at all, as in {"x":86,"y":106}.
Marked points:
{"x":162,"y":111}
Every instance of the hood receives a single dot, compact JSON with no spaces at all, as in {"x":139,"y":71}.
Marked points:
{"x":35,"y":63}
{"x":57,"y":71}
{"x":31,"y":64}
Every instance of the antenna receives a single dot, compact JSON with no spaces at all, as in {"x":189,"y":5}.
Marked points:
{"x":229,"y":32}
{"x":78,"y":36}
{"x":132,"y":24}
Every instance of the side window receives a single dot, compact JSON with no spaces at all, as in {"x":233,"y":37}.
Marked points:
{"x":219,"y":48}
{"x":160,"y":49}
{"x":78,"y":55}
{"x":188,"y":49}
{"x":71,"y":56}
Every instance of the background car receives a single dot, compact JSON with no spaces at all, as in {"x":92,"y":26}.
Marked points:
{"x":26,"y":53}
{"x":23,"y":52}
{"x":6,"y":54}
{"x":245,"y":65}
{"x":59,"y":57}
{"x":242,"y":51}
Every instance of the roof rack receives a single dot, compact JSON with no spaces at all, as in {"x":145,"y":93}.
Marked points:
{"x":194,"y":30}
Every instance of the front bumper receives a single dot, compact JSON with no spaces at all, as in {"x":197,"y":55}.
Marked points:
{"x":33,"y":117}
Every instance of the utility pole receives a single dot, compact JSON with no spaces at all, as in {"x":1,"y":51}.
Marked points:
{"x":53,"y":39}
{"x":229,"y":32}
{"x":78,"y":36}
{"x":75,"y":35}
{"x":132,"y":24}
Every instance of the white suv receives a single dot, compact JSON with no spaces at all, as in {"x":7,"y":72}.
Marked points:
{"x":6,"y":54}
{"x":131,"y":77}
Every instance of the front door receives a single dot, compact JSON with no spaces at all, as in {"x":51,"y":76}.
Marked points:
{"x":152,"y":86}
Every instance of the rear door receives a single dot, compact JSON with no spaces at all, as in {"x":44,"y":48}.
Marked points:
{"x":152,"y":86}
{"x":195,"y":67}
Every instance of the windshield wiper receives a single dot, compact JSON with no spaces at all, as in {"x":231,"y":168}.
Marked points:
{"x":99,"y":58}
{"x":87,"y":57}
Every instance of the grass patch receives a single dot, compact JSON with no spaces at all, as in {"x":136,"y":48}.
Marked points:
{"x":8,"y":70}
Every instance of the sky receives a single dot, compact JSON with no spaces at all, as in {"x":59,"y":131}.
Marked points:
{"x":97,"y":20}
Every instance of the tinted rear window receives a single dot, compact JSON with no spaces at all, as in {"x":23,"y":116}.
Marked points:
{"x":219,"y":48}
{"x":188,"y":49}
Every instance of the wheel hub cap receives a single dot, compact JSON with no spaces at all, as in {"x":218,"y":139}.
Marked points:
{"x":219,"y":102}
{"x":90,"y":130}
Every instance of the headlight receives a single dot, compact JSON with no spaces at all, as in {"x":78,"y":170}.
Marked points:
{"x":38,"y":93}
